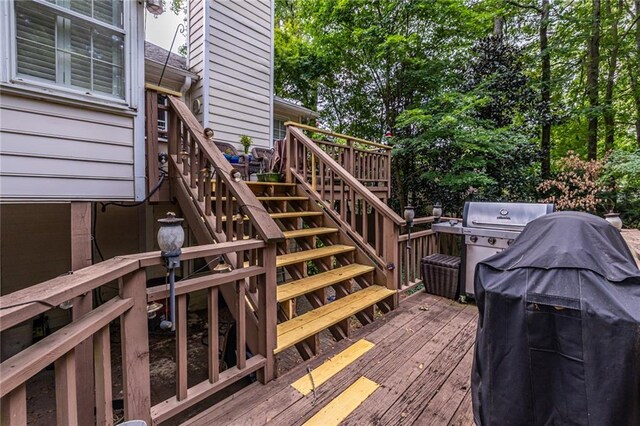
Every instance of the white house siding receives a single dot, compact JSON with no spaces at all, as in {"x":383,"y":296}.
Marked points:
{"x":239,"y":69}
{"x":51,"y":151}
{"x":196,"y":52}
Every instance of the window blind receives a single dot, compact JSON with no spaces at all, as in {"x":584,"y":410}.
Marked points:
{"x":72,"y":51}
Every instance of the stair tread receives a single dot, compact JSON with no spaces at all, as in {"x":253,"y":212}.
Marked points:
{"x":303,"y":256}
{"x":309,"y":232}
{"x":306,"y":325}
{"x":273,"y":198}
{"x":256,"y":183}
{"x":306,"y":285}
{"x":285,"y":215}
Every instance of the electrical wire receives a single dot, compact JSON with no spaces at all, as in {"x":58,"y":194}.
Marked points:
{"x":163,"y":175}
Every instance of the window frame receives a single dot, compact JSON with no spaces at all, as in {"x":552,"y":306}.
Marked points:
{"x":11,"y":80}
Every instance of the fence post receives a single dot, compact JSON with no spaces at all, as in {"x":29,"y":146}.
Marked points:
{"x":267,"y":314}
{"x":136,"y":382}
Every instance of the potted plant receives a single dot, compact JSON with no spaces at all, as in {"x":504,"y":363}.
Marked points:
{"x":246,"y":142}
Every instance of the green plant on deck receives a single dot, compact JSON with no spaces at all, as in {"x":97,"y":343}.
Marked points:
{"x":246,"y":142}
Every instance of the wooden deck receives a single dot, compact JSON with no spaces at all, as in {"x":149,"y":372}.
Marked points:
{"x":410,"y":367}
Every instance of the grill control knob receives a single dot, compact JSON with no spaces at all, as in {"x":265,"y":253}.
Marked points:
{"x":473,"y":238}
{"x":492,"y":241}
{"x":509,"y":242}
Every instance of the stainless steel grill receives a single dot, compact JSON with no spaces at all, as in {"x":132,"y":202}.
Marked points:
{"x":489,"y":228}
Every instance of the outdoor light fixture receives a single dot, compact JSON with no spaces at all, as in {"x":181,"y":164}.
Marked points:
{"x":236,"y":175}
{"x":152,"y":308}
{"x":170,"y":240}
{"x":437,"y":211}
{"x":222,"y":266}
{"x":614,"y":219}
{"x":409,"y":215}
{"x":208,"y":133}
{"x":155,"y":7}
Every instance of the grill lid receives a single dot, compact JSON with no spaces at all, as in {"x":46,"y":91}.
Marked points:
{"x":508,"y":216}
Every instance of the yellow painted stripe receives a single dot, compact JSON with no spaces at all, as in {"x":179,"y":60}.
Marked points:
{"x":338,"y":409}
{"x":332,"y":366}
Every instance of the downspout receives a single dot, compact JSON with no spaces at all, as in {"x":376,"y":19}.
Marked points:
{"x":186,"y":85}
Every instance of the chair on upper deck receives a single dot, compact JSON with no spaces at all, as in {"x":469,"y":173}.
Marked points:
{"x":230,"y":152}
{"x":260,"y":160}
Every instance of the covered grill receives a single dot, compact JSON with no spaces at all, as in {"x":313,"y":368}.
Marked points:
{"x":489,"y":228}
{"x":558,"y":338}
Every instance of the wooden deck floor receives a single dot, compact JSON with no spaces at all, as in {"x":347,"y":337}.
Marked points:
{"x":416,"y":372}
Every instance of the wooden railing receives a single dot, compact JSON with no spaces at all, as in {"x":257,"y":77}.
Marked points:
{"x":130,"y":307}
{"x":199,"y":166}
{"x":373,"y":225}
{"x":368,"y":162}
{"x":324,"y":169}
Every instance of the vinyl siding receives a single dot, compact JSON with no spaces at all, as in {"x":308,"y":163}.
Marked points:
{"x":57,"y":152}
{"x":239,"y":59}
{"x":196,"y":57}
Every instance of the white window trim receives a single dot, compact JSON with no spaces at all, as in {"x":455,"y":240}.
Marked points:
{"x":12,"y":83}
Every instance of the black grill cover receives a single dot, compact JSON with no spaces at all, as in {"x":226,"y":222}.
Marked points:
{"x":559,"y":328}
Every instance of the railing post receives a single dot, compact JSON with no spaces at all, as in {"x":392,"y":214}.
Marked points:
{"x":151,"y":124}
{"x":288,"y":149}
{"x":391,"y":234}
{"x":267,"y":314}
{"x":136,"y":382}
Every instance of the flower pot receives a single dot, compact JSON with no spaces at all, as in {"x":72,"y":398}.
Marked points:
{"x":268,"y":177}
{"x":614,"y":219}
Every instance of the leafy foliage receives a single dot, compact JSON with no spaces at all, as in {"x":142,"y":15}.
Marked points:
{"x":576,"y":185}
{"x":468,"y":91}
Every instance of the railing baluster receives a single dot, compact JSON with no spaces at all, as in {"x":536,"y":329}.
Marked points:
{"x":192,"y":160}
{"x":66,"y":391}
{"x":207,"y":191}
{"x":181,"y":347}
{"x":218,"y":210}
{"x":102,"y":370}
{"x":201,"y":172}
{"x":229,"y":213}
{"x":241,"y":332}
{"x":14,"y":407}
{"x":365,"y":222}
{"x":212,"y":340}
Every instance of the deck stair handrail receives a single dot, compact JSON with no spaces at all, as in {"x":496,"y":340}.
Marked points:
{"x":336,"y":172}
{"x":202,"y":165}
{"x":130,"y":306}
{"x":342,"y":194}
{"x":369,"y":162}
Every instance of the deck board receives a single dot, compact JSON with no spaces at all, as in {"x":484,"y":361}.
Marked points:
{"x":421,"y":360}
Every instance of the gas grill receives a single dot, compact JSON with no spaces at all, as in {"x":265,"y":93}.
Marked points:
{"x":489,"y":228}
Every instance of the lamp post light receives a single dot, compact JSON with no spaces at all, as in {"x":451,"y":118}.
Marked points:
{"x":409,"y":215}
{"x":170,"y":240}
{"x":437,"y":211}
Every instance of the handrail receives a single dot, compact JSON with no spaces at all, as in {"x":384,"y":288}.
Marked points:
{"x":337,"y":135}
{"x":265,"y":226}
{"x":130,"y":305}
{"x":348,"y":178}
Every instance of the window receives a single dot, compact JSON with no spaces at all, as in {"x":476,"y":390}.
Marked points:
{"x":279,"y":130}
{"x":163,"y":117}
{"x":74,"y":43}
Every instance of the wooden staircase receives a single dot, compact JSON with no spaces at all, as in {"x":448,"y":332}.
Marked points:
{"x":319,"y":263}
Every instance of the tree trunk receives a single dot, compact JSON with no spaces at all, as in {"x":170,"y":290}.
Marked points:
{"x":609,"y":113}
{"x":498,"y":26}
{"x":633,"y":73}
{"x":545,"y":91}
{"x":593,"y":72}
